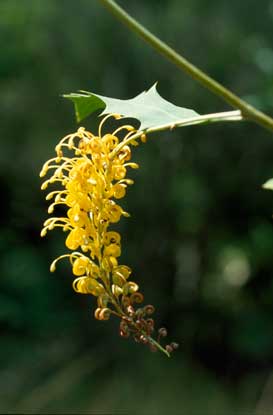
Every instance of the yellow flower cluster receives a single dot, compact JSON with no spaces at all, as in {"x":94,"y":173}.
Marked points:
{"x":92,"y":180}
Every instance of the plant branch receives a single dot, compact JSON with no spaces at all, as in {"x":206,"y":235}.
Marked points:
{"x":248,"y":111}
{"x":201,"y":119}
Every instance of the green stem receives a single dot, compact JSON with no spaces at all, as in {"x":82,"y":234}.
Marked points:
{"x":248,"y":111}
{"x":159,"y":347}
{"x":201,"y":119}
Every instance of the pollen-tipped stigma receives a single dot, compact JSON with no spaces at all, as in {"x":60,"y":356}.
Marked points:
{"x":91,"y":171}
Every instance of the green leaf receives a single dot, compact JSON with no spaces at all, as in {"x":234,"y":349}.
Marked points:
{"x":148,"y":107}
{"x":85,"y":104}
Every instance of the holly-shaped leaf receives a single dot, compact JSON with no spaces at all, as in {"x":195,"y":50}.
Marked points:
{"x":148,"y":107}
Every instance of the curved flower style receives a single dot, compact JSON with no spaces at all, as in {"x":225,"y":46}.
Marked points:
{"x":92,"y":181}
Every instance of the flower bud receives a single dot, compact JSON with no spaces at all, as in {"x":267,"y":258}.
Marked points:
{"x":136,"y":298}
{"x":162,"y":332}
{"x":149,"y":309}
{"x":169,"y":348}
{"x":174,"y":345}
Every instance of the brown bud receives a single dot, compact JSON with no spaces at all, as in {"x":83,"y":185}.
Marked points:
{"x":174,"y":345}
{"x":149,"y":309}
{"x":143,"y":339}
{"x":162,"y":332}
{"x":139,"y":325}
{"x":139,"y":313}
{"x":125,"y":301}
{"x":136,"y":298}
{"x":169,"y":348}
{"x":150,"y":325}
{"x":130,"y":311}
{"x":129,"y":320}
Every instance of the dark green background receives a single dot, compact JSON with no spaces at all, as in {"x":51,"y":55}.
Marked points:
{"x":200,"y":239}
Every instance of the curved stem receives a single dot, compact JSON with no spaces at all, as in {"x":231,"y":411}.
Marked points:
{"x":248,"y":111}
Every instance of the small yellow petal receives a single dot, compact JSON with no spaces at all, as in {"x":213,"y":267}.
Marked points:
{"x":80,"y":265}
{"x":129,"y":288}
{"x":43,"y":232}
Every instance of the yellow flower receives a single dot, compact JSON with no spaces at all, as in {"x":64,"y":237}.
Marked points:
{"x":91,"y":172}
{"x":91,"y":177}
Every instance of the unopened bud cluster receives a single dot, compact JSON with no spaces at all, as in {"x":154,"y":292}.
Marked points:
{"x":140,"y":325}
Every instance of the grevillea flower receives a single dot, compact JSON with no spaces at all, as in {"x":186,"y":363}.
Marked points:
{"x":92,"y":173}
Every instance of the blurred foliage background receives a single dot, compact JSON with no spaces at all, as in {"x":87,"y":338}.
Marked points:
{"x":200,"y":238}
